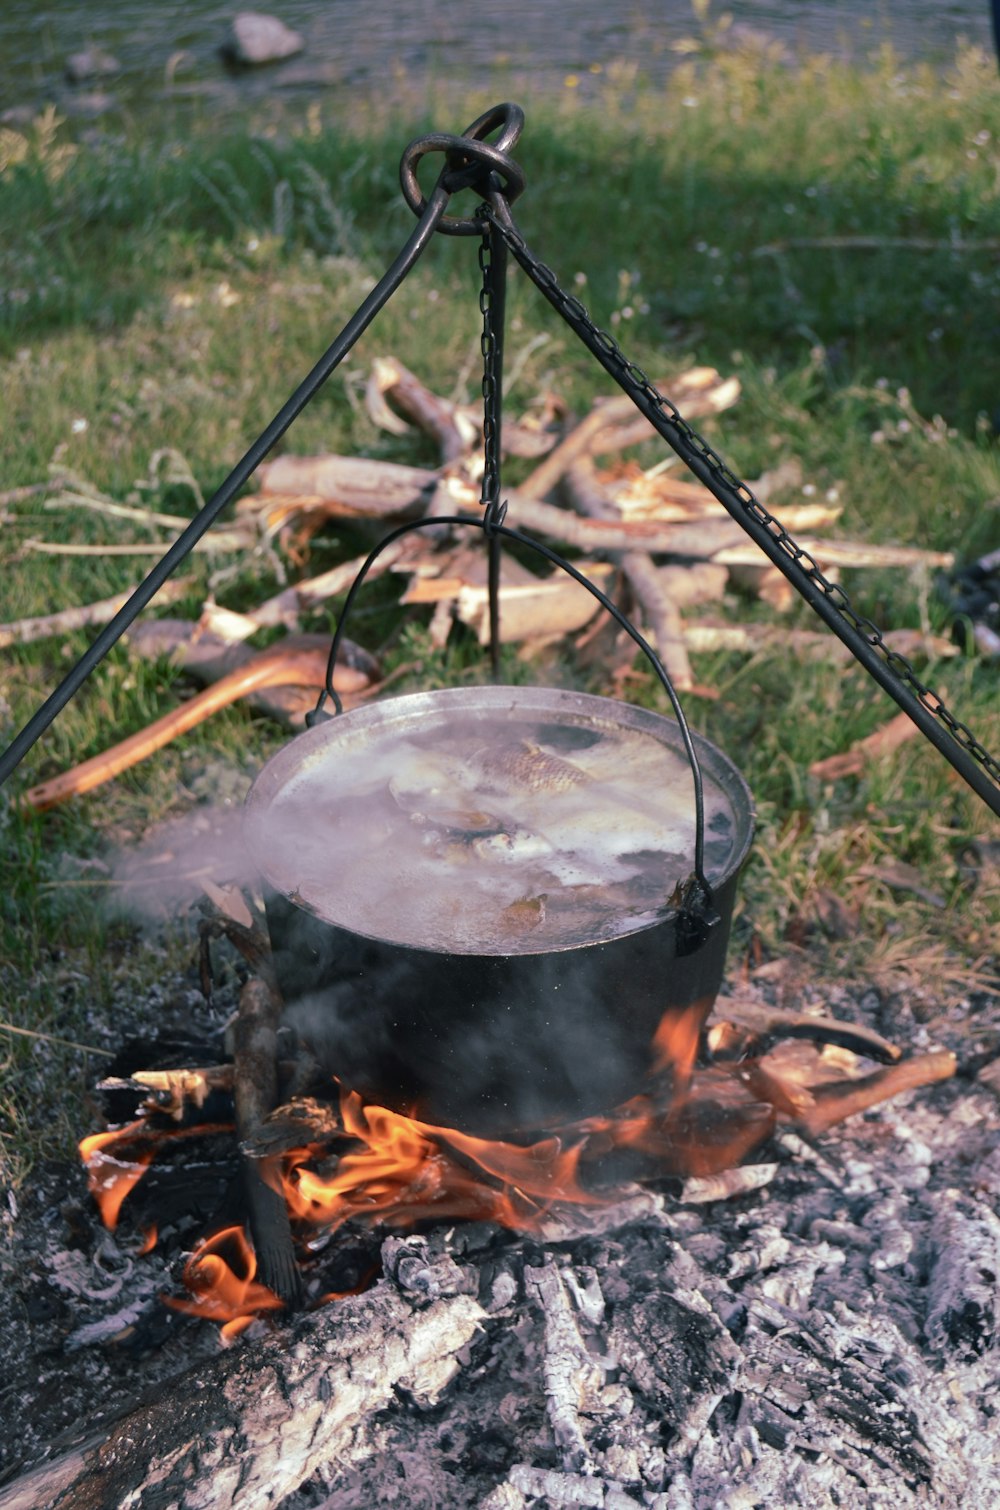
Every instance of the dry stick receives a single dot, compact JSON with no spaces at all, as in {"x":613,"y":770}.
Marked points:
{"x":853,"y":761}
{"x":834,"y":1102}
{"x":255,"y":1087}
{"x":273,"y":668}
{"x":610,"y":426}
{"x":29,"y":490}
{"x":660,"y":612}
{"x":435,"y":416}
{"x":751,"y":638}
{"x":222,"y":541}
{"x":286,"y":605}
{"x":24,"y":631}
{"x":99,"y":505}
{"x":247,"y":1428}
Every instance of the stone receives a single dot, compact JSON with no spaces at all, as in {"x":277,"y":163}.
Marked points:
{"x":253,"y":39}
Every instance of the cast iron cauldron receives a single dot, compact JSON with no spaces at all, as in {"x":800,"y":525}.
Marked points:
{"x":486,"y":1036}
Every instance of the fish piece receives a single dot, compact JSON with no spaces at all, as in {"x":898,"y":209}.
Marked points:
{"x":513,"y":848}
{"x":466,"y":824}
{"x":524,"y":915}
{"x":519,"y":763}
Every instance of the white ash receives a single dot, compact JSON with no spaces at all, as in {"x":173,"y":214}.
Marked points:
{"x":830,"y":1339}
{"x":825,"y":1341}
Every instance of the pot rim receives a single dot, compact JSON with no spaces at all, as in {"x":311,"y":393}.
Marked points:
{"x":414,"y":707}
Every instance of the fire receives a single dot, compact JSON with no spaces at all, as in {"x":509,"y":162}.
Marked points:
{"x":221,"y":1277}
{"x":110,"y":1176}
{"x":117,"y":1160}
{"x":383,"y":1166}
{"x":405,"y":1171}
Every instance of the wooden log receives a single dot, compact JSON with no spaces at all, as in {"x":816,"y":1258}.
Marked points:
{"x":351,"y":486}
{"x":406,"y":394}
{"x":280,"y":667}
{"x":341,"y":487}
{"x":545,"y":609}
{"x":255,"y":1094}
{"x":246,"y":1429}
{"x":66,"y":620}
{"x":171,"y":1092}
{"x":615,"y":423}
{"x":836,"y":1101}
{"x":659,"y":611}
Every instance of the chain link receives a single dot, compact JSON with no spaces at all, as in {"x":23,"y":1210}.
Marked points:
{"x":633,"y":379}
{"x":492,"y":349}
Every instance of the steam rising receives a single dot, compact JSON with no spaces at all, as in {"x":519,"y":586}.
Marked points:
{"x":502,"y":834}
{"x":166,"y":873}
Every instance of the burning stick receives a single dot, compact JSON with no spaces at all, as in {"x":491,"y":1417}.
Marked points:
{"x":256,"y":1094}
{"x":171,"y":1092}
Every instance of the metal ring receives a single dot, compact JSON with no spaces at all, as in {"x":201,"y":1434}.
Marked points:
{"x":469,"y":161}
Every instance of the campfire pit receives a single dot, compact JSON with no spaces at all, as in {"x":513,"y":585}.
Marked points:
{"x":813,"y":1327}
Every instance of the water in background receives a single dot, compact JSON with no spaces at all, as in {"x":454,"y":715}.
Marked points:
{"x":168,"y":50}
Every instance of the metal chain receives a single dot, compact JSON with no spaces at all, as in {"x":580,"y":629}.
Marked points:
{"x":634,"y":380}
{"x":491,"y":344}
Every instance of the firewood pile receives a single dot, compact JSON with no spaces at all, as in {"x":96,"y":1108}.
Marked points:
{"x":657,"y":542}
{"x":817,"y":1327}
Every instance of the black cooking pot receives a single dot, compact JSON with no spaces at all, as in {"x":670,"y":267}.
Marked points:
{"x":492,"y":1035}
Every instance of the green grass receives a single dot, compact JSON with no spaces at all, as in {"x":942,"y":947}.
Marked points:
{"x":162,"y":294}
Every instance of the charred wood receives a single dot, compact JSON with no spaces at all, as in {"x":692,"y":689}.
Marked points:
{"x":255,"y":1094}
{"x":248,"y":1428}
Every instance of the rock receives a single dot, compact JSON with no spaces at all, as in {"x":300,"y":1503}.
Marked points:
{"x":92,"y":63}
{"x":253,"y":39}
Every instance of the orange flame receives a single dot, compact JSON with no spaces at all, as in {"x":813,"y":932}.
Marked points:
{"x":675,"y":1043}
{"x":406,"y":1170}
{"x":401,"y":1170}
{"x":117,"y":1160}
{"x":221,"y":1277}
{"x":110,"y":1176}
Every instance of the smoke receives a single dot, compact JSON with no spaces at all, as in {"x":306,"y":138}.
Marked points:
{"x":488,"y":836}
{"x":165,"y":874}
